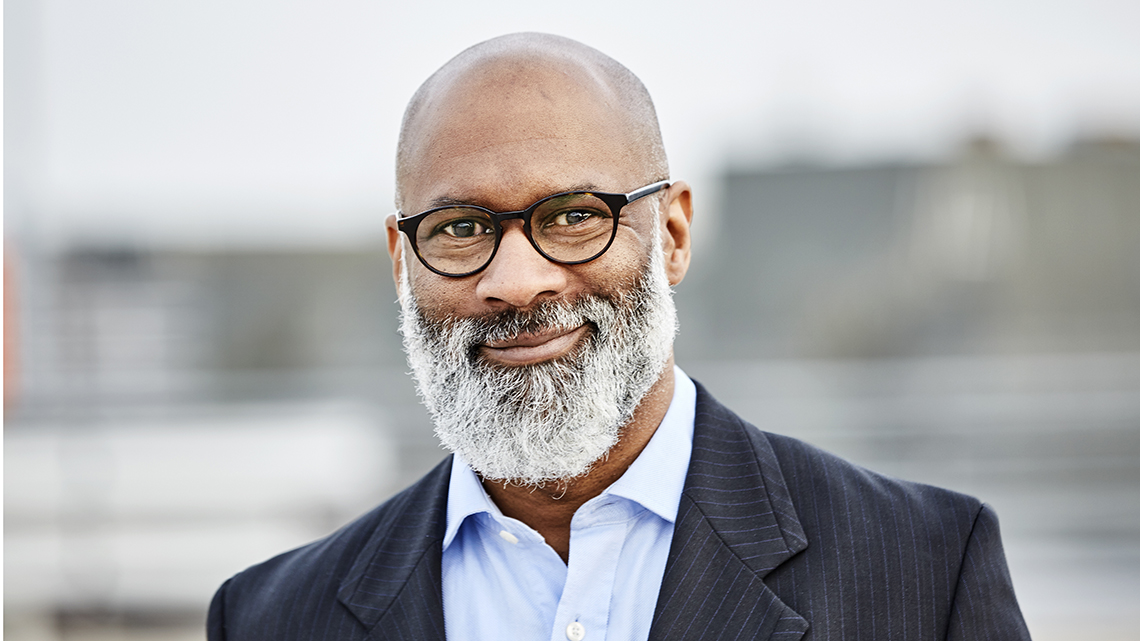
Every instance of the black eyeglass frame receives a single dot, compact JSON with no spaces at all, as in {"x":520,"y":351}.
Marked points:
{"x":615,"y":202}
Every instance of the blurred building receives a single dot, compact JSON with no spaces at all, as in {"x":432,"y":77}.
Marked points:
{"x":136,"y":324}
{"x":982,"y":255}
{"x":180,"y":415}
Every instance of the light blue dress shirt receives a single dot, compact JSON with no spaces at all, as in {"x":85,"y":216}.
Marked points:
{"x":502,"y":581}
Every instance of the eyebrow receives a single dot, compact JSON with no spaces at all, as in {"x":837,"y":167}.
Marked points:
{"x":448,"y":201}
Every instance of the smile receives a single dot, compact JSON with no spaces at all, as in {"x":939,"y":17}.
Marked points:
{"x":528,"y":349}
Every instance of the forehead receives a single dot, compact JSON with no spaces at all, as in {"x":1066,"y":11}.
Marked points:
{"x":505,"y":133}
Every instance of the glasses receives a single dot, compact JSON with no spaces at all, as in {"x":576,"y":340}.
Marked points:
{"x":570,"y":228}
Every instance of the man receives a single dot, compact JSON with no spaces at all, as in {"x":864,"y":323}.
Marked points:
{"x":595,"y":491}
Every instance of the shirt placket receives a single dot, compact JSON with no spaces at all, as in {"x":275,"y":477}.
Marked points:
{"x":597,"y":534}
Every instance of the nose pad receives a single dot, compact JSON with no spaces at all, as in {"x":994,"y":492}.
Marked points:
{"x":518,"y":275}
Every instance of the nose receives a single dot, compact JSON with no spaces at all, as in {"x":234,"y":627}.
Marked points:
{"x":519,"y":276}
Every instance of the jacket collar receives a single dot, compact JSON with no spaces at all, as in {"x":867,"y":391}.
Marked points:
{"x":736,"y":523}
{"x":393,"y":587}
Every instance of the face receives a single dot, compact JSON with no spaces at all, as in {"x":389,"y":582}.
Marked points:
{"x":503,"y":357}
{"x":552,"y":419}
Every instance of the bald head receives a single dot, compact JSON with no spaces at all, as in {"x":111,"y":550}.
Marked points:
{"x":530,"y":87}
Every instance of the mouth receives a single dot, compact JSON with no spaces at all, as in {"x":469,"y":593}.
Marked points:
{"x":528,"y":349}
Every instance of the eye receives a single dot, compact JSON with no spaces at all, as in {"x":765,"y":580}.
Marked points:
{"x":569,"y":217}
{"x":464,"y":228}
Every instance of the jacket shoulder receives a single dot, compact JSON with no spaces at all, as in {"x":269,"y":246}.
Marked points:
{"x":302,"y":585}
{"x":898,"y":546}
{"x":815,"y":472}
{"x":876,"y":544}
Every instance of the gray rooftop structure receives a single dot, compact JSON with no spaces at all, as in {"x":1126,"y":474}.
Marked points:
{"x":983,"y":254}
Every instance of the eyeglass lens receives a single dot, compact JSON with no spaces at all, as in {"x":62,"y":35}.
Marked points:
{"x":567,"y":228}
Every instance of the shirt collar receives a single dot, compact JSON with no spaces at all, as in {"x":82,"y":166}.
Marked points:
{"x":655,"y":480}
{"x":465,"y":496}
{"x":657,"y":476}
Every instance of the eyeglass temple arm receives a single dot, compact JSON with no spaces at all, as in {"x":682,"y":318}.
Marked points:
{"x":645,"y":191}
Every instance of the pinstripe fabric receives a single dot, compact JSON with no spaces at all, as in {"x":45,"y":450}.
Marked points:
{"x":774,"y":540}
{"x":735,"y":524}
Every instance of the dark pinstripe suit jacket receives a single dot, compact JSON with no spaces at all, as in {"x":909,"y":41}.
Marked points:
{"x":774,"y":540}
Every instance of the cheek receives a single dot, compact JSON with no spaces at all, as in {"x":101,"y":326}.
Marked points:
{"x":618,"y":269}
{"x":439,"y":297}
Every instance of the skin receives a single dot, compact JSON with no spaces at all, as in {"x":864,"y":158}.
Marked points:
{"x":503,"y":133}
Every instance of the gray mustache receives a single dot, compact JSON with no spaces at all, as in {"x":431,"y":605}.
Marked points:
{"x":508,"y":324}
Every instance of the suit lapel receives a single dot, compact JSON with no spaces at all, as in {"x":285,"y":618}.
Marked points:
{"x":735,"y":524}
{"x":393,"y":587}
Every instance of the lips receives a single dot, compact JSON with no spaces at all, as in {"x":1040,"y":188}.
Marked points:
{"x":527,"y":349}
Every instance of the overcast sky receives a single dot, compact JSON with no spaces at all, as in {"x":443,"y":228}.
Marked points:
{"x":250,"y":122}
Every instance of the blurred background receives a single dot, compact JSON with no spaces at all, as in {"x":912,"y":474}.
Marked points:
{"x":917,"y":245}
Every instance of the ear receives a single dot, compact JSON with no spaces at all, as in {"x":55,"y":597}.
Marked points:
{"x":395,"y":247}
{"x":676,"y":218}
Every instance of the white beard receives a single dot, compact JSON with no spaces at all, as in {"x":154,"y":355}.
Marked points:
{"x":550,"y":421}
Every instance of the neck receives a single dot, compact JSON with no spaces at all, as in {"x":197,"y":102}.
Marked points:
{"x":549,"y":509}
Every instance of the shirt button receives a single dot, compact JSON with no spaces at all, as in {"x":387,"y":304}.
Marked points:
{"x":575,"y":631}
{"x":509,"y":538}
